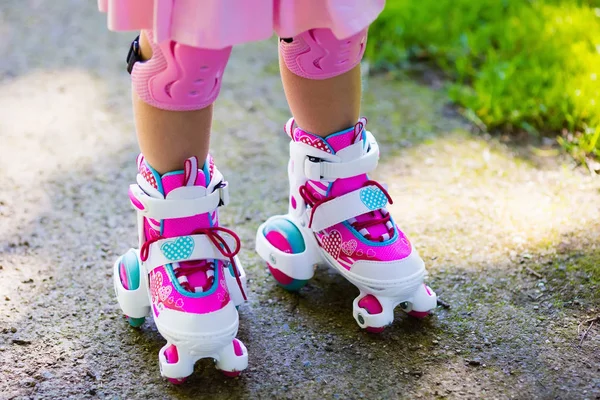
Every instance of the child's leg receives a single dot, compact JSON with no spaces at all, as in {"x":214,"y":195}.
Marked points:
{"x":337,"y":214}
{"x":324,"y":88}
{"x":323,"y":106}
{"x":167,"y":137}
{"x":186,"y":271}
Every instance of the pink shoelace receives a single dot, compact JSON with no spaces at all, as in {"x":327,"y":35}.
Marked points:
{"x":375,"y":219}
{"x":219,"y":242}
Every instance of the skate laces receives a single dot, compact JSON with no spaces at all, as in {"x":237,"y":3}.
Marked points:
{"x":378,"y":217}
{"x":214,"y":234}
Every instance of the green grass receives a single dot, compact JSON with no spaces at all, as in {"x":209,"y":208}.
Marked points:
{"x":515,"y":65}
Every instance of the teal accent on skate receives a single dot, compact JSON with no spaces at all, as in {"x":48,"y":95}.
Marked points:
{"x":136,"y":322}
{"x":295,"y":286}
{"x":360,"y":237}
{"x":181,"y":290}
{"x":178,"y":249}
{"x":132,"y":268}
{"x":373,"y":198}
{"x":328,"y":190}
{"x":177,"y":172}
{"x":289,"y":231}
{"x":206,"y":173}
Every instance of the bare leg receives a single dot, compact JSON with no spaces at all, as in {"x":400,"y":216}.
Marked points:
{"x":168,"y":138}
{"x":323,"y":106}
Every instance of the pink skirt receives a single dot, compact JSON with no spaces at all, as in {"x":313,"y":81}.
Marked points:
{"x":215,"y":24}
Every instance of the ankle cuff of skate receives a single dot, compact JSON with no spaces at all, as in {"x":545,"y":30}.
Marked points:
{"x":330,"y":168}
{"x":177,"y":208}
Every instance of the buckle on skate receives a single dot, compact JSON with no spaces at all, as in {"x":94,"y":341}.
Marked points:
{"x":134,"y":54}
{"x":319,"y":169}
{"x":178,"y":208}
{"x":223,"y":190}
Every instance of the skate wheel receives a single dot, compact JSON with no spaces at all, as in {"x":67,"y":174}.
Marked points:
{"x":129,"y":271}
{"x":372,"y":306}
{"x":285,"y":236}
{"x":129,"y":274}
{"x":237,"y":349}
{"x":135,"y":322}
{"x":287,"y":282}
{"x":172,"y":358}
{"x":418,"y":314}
{"x":231,"y":374}
{"x":425,"y":298}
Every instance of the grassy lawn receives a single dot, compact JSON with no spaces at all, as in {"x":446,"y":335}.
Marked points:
{"x":514,"y":65}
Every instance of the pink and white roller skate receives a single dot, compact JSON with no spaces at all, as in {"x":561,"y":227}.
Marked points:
{"x":337,"y":216}
{"x":186,"y":271}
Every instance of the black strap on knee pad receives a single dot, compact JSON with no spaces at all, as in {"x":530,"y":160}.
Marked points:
{"x":134,"y":54}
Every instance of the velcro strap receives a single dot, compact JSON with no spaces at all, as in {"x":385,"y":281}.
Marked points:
{"x":177,"y":208}
{"x":318,"y":169}
{"x":134,"y":54}
{"x":184,"y":248}
{"x":342,"y":208}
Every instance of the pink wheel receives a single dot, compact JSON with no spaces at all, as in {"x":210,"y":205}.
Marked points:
{"x":418,"y":314}
{"x":285,"y":236}
{"x":231,"y":374}
{"x":372,"y":305}
{"x":129,"y":273}
{"x":408,"y":306}
{"x":173,"y":357}
{"x":237,"y":349}
{"x":287,"y":282}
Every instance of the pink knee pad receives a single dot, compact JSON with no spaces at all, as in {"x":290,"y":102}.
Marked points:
{"x":318,"y":54}
{"x":178,"y":77}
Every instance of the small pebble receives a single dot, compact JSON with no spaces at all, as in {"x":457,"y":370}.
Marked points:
{"x":47,"y":375}
{"x":27,"y":382}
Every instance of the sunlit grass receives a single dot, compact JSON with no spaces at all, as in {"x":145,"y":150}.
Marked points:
{"x":517,"y":65}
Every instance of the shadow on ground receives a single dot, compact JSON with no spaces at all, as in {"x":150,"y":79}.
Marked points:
{"x":512,"y":247}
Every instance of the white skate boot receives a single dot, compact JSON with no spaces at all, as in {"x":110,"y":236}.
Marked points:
{"x":186,"y":271}
{"x":337,"y":216}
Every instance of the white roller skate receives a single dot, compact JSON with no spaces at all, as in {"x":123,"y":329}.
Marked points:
{"x":337,"y":216}
{"x":186,"y":271}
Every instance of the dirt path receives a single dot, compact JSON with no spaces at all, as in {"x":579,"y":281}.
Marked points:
{"x":510,"y":237}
